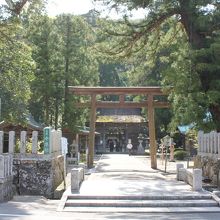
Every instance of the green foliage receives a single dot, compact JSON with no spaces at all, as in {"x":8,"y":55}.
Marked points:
{"x":177,"y":46}
{"x":178,"y":42}
{"x":192,"y":138}
{"x":16,"y":69}
{"x":188,"y":102}
{"x":180,"y":155}
{"x":63,"y":56}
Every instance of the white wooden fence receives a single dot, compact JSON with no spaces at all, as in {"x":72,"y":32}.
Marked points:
{"x":54,"y":144}
{"x":6,"y":159}
{"x":209,"y":144}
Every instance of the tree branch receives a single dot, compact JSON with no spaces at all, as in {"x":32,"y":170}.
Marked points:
{"x":139,"y":31}
{"x":16,"y":8}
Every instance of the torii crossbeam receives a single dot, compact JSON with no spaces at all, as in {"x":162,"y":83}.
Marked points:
{"x":150,"y":104}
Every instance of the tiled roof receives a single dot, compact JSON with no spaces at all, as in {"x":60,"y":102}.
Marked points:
{"x":120,"y":119}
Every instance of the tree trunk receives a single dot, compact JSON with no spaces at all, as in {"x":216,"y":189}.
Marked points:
{"x":197,"y":41}
{"x":56,"y":108}
{"x":66,"y":92}
{"x":187,"y":19}
{"x":215,"y":112}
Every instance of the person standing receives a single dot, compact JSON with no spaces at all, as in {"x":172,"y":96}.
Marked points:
{"x":129,"y":147}
{"x":111,"y":146}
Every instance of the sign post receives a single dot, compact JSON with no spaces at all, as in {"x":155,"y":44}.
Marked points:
{"x":47,"y":140}
{"x":167,"y":142}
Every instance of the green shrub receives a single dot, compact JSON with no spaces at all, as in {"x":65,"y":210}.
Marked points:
{"x":147,"y":153}
{"x":178,"y":149}
{"x":180,"y":154}
{"x":82,"y":158}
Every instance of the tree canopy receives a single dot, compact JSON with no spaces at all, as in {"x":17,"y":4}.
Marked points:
{"x":193,"y":67}
{"x":176,"y":45}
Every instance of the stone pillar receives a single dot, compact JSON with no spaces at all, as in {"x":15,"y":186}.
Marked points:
{"x":178,"y":166}
{"x":2,"y":165}
{"x":53,"y":141}
{"x":23,"y":141}
{"x":182,"y":174}
{"x":34,"y":142}
{"x":56,"y":141}
{"x":1,"y":141}
{"x":75,"y":179}
{"x":11,"y":144}
{"x":197,"y":179}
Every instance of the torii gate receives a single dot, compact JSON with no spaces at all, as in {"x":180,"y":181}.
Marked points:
{"x":150,"y":104}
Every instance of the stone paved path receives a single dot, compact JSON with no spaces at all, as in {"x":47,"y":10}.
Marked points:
{"x":119,"y":174}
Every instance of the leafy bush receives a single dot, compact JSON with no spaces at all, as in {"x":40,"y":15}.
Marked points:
{"x":180,"y":154}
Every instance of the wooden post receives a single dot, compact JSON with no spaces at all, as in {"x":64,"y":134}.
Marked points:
{"x":23,"y":142}
{"x":11,"y":144}
{"x":92,"y":132}
{"x":152,"y":135}
{"x":1,"y":141}
{"x":34,"y":142}
{"x":77,"y":149}
{"x":122,"y":99}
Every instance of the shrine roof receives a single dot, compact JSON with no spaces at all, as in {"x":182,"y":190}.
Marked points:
{"x":120,"y":119}
{"x":31,"y":124}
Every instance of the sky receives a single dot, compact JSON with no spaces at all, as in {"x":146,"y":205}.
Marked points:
{"x":77,"y":7}
{"x":83,"y":6}
{"x":69,"y":6}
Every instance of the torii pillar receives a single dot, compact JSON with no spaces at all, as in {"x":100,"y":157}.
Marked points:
{"x":152,"y":132}
{"x":92,"y":132}
{"x":150,"y":104}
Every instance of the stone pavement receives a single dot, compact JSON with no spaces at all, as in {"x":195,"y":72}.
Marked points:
{"x":123,"y":183}
{"x":115,"y":175}
{"x":120,"y":174}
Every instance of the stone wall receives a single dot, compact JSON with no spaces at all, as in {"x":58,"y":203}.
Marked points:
{"x":210,"y":166}
{"x":38,"y":176}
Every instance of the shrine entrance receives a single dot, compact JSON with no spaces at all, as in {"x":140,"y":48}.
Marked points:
{"x":149,"y":101}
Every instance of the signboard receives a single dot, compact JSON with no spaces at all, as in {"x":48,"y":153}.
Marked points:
{"x":47,"y":140}
{"x":167,"y":141}
{"x":64,"y":145}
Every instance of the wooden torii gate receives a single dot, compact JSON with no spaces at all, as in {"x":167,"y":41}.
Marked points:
{"x":150,"y":104}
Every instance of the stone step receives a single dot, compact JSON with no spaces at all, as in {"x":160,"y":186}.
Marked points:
{"x":138,"y":197}
{"x":140,"y":203}
{"x":143,"y":209}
